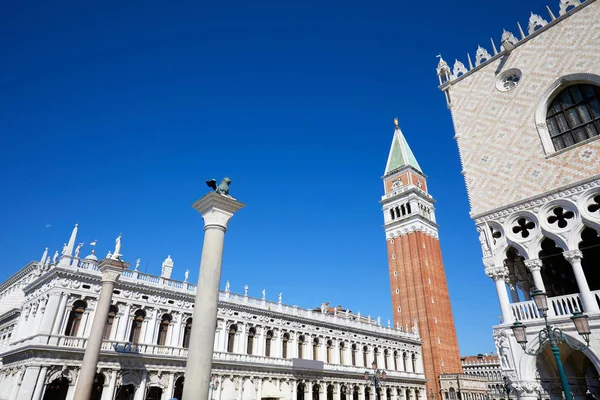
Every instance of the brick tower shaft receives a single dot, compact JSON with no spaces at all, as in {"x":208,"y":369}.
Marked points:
{"x":417,"y":277}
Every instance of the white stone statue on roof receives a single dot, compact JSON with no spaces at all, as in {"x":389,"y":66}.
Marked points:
{"x":246,"y":290}
{"x":117,"y":252}
{"x":264,"y":294}
{"x":280,"y":296}
{"x":55,"y":258}
{"x":137,"y":264}
{"x":227,"y":287}
{"x":187,"y":275}
{"x":78,"y":249}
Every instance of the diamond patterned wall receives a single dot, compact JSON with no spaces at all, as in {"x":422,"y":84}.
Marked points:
{"x":502,"y":155}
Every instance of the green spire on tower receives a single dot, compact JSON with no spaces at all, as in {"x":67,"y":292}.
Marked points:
{"x":400,"y":153}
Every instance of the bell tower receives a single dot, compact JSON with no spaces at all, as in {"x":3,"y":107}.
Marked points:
{"x":417,"y":278}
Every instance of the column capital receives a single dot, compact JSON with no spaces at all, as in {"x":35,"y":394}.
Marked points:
{"x":496,"y":273}
{"x":573,"y":256}
{"x":111,"y":269}
{"x":533,"y":264}
{"x":217,"y":209}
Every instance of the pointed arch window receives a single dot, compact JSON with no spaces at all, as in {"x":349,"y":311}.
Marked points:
{"x":268,"y":340}
{"x":75,"y":317}
{"x":136,"y":326}
{"x":231,"y":338}
{"x":163,"y":329}
{"x":284,"y":345}
{"x":574,"y":115}
{"x":187,"y":331}
{"x":250,"y":344}
{"x":110,"y":319}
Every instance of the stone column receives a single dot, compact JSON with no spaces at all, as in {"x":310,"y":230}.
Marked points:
{"x":62,"y":308}
{"x":535,"y":266}
{"x":15,"y":386}
{"x":140,"y":393}
{"x":216,"y":209}
{"x":168,"y":392}
{"x":587,"y":298}
{"x":39,"y":386}
{"x":111,"y":270}
{"x":109,"y":392}
{"x":498,"y":274}
{"x":123,"y":323}
{"x":50,"y":313}
{"x":28,"y":383}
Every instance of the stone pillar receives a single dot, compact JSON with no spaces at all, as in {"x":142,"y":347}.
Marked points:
{"x":512,"y":286}
{"x":535,"y":267}
{"x":50,"y":313}
{"x":498,"y":274}
{"x":39,"y":386}
{"x":28,"y":383}
{"x":168,"y":392}
{"x":294,"y":395}
{"x":109,"y":392}
{"x":140,"y":393}
{"x":111,"y":270}
{"x":216,"y":210}
{"x":62,"y":308}
{"x":15,"y":386}
{"x":123,"y":323}
{"x":587,"y":298}
{"x":151,"y":328}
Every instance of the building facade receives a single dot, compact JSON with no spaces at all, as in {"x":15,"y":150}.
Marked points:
{"x":487,"y":366}
{"x":262,"y":350}
{"x":527,"y":118}
{"x":416,"y":270}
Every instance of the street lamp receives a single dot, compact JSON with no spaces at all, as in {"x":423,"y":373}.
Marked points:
{"x":375,"y":376}
{"x":506,"y":386}
{"x":553,"y":336}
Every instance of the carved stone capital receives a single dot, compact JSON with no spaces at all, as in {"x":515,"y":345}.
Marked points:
{"x":573,"y":256}
{"x":526,"y":388}
{"x":488,"y":262}
{"x":217,"y":209}
{"x":534,"y":264}
{"x":496,"y":273}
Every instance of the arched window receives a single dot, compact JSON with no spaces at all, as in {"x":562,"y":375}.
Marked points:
{"x":329,"y":348}
{"x":74,"y":321}
{"x":414,"y":363}
{"x":355,"y":393}
{"x":574,"y":115}
{"x":300,"y":345}
{"x":250,"y":343}
{"x":284,"y":345}
{"x":316,"y":349}
{"x":187,"y":332}
{"x":315,"y":391}
{"x":375,"y":357}
{"x":385,"y":358}
{"x":163,"y":329}
{"x":354,"y":354}
{"x":178,"y":392}
{"x":268,"y":343}
{"x":395,"y":360}
{"x":341,"y":345}
{"x":136,"y":326}
{"x":329,"y":392}
{"x":365,"y":351}
{"x":404,"y":360}
{"x":231,"y":338}
{"x":154,"y":393}
{"x":57,"y":389}
{"x":300,"y":391}
{"x":98,"y":387}
{"x":110,"y":319}
{"x":452,"y":393}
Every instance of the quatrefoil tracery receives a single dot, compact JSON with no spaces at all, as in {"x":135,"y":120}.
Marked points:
{"x":523,"y":227}
{"x":560,"y":217}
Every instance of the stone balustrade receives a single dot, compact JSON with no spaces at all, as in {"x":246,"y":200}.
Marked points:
{"x":559,"y":306}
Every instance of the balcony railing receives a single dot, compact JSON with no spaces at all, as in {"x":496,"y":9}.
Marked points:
{"x":559,"y":306}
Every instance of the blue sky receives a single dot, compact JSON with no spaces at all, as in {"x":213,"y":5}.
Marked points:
{"x":112,"y":114}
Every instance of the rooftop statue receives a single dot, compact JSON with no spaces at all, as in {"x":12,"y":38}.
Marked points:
{"x":223,"y":187}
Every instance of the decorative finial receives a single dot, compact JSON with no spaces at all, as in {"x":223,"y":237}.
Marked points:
{"x":223,"y":187}
{"x":396,"y":123}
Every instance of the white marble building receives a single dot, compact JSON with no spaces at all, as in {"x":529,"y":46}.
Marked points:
{"x":527,"y":121}
{"x":263,"y":349}
{"x":487,"y":366}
